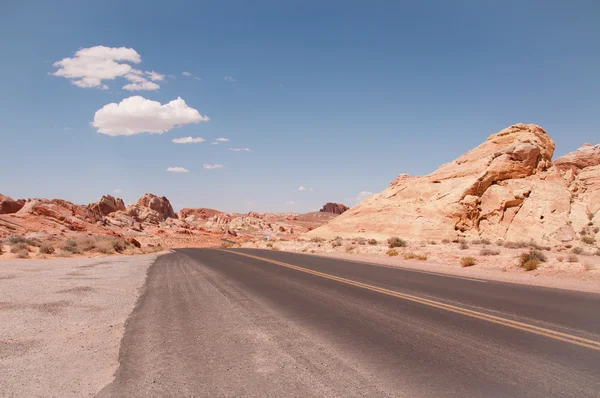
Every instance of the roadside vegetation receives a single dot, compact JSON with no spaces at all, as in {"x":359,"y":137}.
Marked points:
{"x":468,"y":261}
{"x":396,"y":242}
{"x":531,"y":260}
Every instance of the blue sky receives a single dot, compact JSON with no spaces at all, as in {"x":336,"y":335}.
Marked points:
{"x":337,"y":96}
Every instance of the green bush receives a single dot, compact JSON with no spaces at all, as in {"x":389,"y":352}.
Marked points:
{"x":396,"y":242}
{"x":468,"y":261}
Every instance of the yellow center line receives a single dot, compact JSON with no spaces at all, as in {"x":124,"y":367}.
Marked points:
{"x":580,"y":341}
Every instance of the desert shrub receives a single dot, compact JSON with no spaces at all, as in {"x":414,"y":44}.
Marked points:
{"x":533,"y":255}
{"x":583,"y":232}
{"x":86,"y":244}
{"x":396,"y":242}
{"x":118,"y":245}
{"x":105,"y":247}
{"x":269,"y":245}
{"x":304,"y":250}
{"x":515,"y":245}
{"x":46,"y":248}
{"x":313,"y":251}
{"x":481,"y":242}
{"x":71,"y":246}
{"x":468,"y":261}
{"x":489,"y":252}
{"x":416,"y":256}
{"x":591,"y":224}
{"x":349,"y":249}
{"x":446,"y":241}
{"x":22,"y":253}
{"x":1,"y":249}
{"x":463,"y":246}
{"x":588,"y":240}
{"x":17,"y":247}
{"x":432,"y":242}
{"x":591,"y":216}
{"x":577,"y":250}
{"x":372,"y":242}
{"x":392,"y":253}
{"x":531,"y":264}
{"x":317,"y":239}
{"x":597,"y":252}
{"x":560,"y":259}
{"x":336,"y":243}
{"x":361,"y":241}
{"x":588,"y":267}
{"x":596,"y":230}
{"x":572,"y":258}
{"x":275,"y":248}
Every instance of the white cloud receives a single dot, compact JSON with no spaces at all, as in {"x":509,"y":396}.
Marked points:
{"x":214,"y":143}
{"x":222,"y":139}
{"x":178,"y":170}
{"x":230,"y":78}
{"x":188,"y":140}
{"x":213,"y":166}
{"x":290,"y":202}
{"x":135,"y":115}
{"x":155,"y":77}
{"x":240,"y":149}
{"x":188,"y":74}
{"x":142,"y":86}
{"x":301,"y":189}
{"x":90,"y":66}
{"x":118,"y":190}
{"x":197,"y":78}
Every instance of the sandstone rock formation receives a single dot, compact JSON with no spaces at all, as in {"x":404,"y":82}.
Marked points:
{"x":197,"y":214}
{"x":151,"y":208}
{"x":335,"y":208}
{"x":106,"y":205}
{"x":507,"y":188}
{"x":9,"y":206}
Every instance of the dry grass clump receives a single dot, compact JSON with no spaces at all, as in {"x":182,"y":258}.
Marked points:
{"x":396,"y":242}
{"x":463,"y":246}
{"x":446,"y":240}
{"x":597,"y":252}
{"x":588,"y":267}
{"x":392,"y":253}
{"x":269,"y":245}
{"x":21,"y":239}
{"x":468,"y":261}
{"x":1,"y":249}
{"x":70,"y":246}
{"x":22,"y":253}
{"x":336,"y":243}
{"x":275,"y":248}
{"x":489,"y":252}
{"x":588,"y":239}
{"x":577,"y":250}
{"x":481,"y":242}
{"x":17,"y":247}
{"x":572,"y":258}
{"x":531,"y":260}
{"x":416,"y":256}
{"x":317,"y":239}
{"x":515,"y":245}
{"x":47,"y":248}
{"x":360,"y":241}
{"x":372,"y":242}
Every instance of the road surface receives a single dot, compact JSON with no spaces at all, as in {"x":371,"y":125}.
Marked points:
{"x":243,"y":322}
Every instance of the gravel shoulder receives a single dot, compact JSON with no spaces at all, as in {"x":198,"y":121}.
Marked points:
{"x":62,"y":321}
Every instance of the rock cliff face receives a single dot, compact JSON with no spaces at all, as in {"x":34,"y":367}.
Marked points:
{"x":9,"y":206}
{"x":507,"y":188}
{"x":335,"y":208}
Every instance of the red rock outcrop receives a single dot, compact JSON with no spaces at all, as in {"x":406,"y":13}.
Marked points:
{"x":9,"y":206}
{"x":106,"y":205}
{"x":198,"y":213}
{"x":506,"y":188}
{"x":586,"y":156}
{"x":151,"y":208}
{"x":335,"y":208}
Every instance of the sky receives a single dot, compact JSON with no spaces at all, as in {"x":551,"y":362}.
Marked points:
{"x":279,"y":106}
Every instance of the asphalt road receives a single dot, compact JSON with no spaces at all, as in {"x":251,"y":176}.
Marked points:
{"x":263,"y":323}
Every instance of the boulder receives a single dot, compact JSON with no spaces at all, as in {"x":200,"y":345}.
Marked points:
{"x":151,"y":209}
{"x":107,"y":205}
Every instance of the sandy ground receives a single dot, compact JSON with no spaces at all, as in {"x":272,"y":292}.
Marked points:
{"x":62,"y":320}
{"x":556,"y":272}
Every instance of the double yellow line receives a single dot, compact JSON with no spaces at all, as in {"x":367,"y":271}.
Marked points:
{"x":553,"y":334}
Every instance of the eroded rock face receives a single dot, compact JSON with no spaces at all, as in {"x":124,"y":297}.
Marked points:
{"x":586,"y":156}
{"x":9,"y":206}
{"x":507,"y":188}
{"x":197,"y":213}
{"x":335,"y":208}
{"x":151,"y":208}
{"x":107,"y":205}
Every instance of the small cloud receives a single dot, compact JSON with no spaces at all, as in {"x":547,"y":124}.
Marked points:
{"x":197,"y":78}
{"x":213,"y":166}
{"x":214,"y":143}
{"x":67,"y":128}
{"x":240,"y":149}
{"x":178,"y":170}
{"x":155,"y":77}
{"x":141,"y":86}
{"x":301,"y":189}
{"x":290,"y":202}
{"x":229,"y":79}
{"x":188,"y":74}
{"x":187,"y":140}
{"x":222,"y":139}
{"x":250,"y":203}
{"x":172,"y":77}
{"x":310,"y":189}
{"x":118,"y":190}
